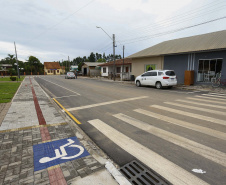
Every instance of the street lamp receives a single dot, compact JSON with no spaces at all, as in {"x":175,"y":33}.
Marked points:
{"x":113,"y":39}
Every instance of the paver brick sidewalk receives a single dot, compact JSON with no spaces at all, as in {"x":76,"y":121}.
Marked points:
{"x":21,"y":130}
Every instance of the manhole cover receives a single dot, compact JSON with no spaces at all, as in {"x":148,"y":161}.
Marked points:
{"x":137,"y":174}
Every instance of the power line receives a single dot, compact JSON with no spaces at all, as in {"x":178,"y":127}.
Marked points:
{"x":172,"y":31}
{"x":188,"y":13}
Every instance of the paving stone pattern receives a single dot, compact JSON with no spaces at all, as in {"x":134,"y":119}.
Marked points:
{"x":16,"y":157}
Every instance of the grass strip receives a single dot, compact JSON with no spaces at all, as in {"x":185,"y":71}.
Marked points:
{"x":7,"y":78}
{"x":7,"y":91}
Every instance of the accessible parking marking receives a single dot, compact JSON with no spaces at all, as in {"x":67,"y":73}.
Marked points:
{"x":56,"y":152}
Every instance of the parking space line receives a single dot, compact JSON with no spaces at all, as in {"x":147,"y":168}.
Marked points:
{"x":61,"y":86}
{"x":66,"y":96}
{"x":106,"y":103}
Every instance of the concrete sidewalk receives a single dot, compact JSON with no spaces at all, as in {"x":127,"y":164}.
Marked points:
{"x":40,"y":145}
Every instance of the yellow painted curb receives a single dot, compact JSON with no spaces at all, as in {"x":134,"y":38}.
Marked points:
{"x":69,"y":114}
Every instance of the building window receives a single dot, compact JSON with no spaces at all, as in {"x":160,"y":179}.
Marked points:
{"x":127,"y":69}
{"x":208,"y":68}
{"x":48,"y":71}
{"x":57,"y":71}
{"x":149,"y":67}
{"x":104,"y":69}
{"x":118,"y":69}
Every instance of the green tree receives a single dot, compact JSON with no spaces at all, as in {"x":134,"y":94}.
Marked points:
{"x":35,"y":65}
{"x":92,"y":57}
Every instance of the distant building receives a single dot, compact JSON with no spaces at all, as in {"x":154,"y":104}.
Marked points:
{"x":74,"y":68}
{"x":91,"y":69}
{"x":4,"y":69}
{"x":122,"y":69}
{"x":52,"y":68}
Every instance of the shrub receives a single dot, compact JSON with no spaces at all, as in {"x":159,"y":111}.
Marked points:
{"x":13,"y":78}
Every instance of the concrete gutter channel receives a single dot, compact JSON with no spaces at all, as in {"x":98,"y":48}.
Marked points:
{"x":31,"y":130}
{"x":21,"y":130}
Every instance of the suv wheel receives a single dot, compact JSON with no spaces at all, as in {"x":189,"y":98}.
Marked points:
{"x":158,"y":85}
{"x":138,"y":84}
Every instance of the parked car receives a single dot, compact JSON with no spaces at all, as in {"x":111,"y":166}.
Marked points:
{"x":157,"y":78}
{"x":70,"y":75}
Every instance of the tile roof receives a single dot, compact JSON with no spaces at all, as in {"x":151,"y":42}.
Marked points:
{"x":205,"y":42}
{"x":92,"y":64}
{"x":52,"y":65}
{"x":118,"y":62}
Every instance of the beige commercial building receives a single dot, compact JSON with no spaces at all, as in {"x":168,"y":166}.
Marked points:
{"x":141,"y":65}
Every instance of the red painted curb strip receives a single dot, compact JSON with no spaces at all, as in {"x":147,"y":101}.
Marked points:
{"x":56,"y":176}
{"x":40,"y":116}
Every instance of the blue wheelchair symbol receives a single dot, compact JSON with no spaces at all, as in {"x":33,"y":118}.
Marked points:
{"x":57,"y":152}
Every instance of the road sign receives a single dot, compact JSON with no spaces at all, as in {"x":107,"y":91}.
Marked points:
{"x":57,"y":152}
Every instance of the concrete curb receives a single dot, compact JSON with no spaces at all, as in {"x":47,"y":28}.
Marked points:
{"x":116,"y":174}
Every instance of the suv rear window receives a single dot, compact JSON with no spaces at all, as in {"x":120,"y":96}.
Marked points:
{"x":170,"y":73}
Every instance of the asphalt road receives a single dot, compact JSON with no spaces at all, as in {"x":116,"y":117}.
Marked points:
{"x":171,"y":131}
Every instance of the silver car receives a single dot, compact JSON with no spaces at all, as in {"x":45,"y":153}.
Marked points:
{"x":70,"y":75}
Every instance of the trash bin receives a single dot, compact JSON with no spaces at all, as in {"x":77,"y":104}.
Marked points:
{"x":132,"y":77}
{"x":189,"y":78}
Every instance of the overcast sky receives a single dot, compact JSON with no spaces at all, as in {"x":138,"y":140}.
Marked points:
{"x":52,"y":30}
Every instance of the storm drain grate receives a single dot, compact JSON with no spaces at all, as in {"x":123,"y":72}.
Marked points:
{"x":137,"y":174}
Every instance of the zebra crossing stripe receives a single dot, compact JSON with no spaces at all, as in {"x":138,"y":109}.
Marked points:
{"x":205,"y":151}
{"x":197,"y":128}
{"x":196,"y":108}
{"x":170,"y":171}
{"x":211,"y":98}
{"x":197,"y":116}
{"x":203,"y":104}
{"x":210,"y":101}
{"x":219,"y":96}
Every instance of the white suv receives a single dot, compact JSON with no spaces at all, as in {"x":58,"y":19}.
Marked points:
{"x":157,"y":78}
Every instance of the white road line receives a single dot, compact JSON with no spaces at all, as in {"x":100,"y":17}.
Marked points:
{"x":61,"y":86}
{"x":170,"y":171}
{"x":197,"y":128}
{"x":211,"y":98}
{"x":197,"y":108}
{"x":205,"y":151}
{"x":203,"y":104}
{"x":105,"y":103}
{"x":220,"y":94}
{"x":197,"y":116}
{"x":210,"y":101}
{"x":65,"y":96}
{"x":214,"y":95}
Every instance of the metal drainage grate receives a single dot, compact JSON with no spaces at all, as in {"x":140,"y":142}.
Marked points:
{"x":137,"y":174}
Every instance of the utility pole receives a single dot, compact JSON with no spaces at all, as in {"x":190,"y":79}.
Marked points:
{"x":69,"y":63}
{"x":114,"y":55}
{"x":18,"y":72}
{"x":123,"y":62}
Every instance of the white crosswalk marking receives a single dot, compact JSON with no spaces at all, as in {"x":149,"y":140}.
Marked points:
{"x":170,"y":171}
{"x":202,"y":104}
{"x":207,"y":152}
{"x":214,"y":95}
{"x":205,"y":100}
{"x":197,"y":116}
{"x":219,"y":94}
{"x":211,"y":98}
{"x":197,"y":108}
{"x":204,"y":130}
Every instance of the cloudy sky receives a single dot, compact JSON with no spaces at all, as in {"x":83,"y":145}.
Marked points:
{"x":52,"y":30}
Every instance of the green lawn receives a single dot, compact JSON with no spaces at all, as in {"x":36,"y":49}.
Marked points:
{"x":7,"y":91}
{"x":7,"y":78}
